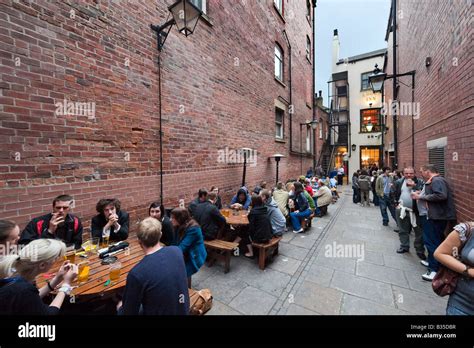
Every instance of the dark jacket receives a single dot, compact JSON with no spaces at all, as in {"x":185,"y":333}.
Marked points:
{"x":440,"y":200}
{"x":364,"y":183}
{"x":396,"y":191}
{"x":69,"y":233}
{"x":209,"y":218}
{"x":194,"y":251}
{"x":20,"y":297}
{"x":168,"y":235}
{"x":218,"y":203}
{"x":99,"y":221}
{"x":260,"y":227}
{"x":301,"y":202}
{"x":192,"y":206}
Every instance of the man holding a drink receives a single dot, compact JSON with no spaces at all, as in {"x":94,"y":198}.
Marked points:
{"x":60,"y":224}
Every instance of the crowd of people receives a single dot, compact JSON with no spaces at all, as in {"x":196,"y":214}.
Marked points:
{"x":424,"y":205}
{"x":173,"y":241}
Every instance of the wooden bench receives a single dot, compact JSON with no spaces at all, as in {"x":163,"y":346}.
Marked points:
{"x":220,"y":250}
{"x":266,"y":250}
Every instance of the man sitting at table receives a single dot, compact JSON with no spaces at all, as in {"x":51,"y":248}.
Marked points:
{"x":281,"y":196}
{"x":157,"y":285}
{"x":201,"y":198}
{"x":241,"y":200}
{"x":60,"y":224}
{"x":111,"y":221}
{"x":276,"y":217}
{"x":209,"y":217}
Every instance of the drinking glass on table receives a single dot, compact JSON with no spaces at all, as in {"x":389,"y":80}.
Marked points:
{"x":105,"y":238}
{"x":70,"y":254}
{"x":114,"y":271}
{"x":83,"y":272}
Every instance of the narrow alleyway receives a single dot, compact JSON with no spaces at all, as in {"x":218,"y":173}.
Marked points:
{"x":305,"y":279}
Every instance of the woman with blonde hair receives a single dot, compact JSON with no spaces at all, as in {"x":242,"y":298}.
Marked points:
{"x":18,"y":294}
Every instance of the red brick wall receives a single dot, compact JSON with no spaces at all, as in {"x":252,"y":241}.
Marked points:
{"x":106,"y":53}
{"x":439,"y":30}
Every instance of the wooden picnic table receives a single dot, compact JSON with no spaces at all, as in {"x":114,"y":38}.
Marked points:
{"x":240,"y":219}
{"x":99,"y":274}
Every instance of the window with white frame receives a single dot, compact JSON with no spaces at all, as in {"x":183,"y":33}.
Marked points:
{"x":200,"y":4}
{"x":308,"y":139}
{"x":278,"y":63}
{"x":279,"y":5}
{"x":279,"y":125}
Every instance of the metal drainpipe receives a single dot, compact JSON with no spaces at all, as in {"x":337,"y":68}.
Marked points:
{"x":315,"y":146}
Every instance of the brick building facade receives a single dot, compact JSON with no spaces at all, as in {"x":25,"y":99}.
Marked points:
{"x":435,"y":39}
{"x":218,"y":90}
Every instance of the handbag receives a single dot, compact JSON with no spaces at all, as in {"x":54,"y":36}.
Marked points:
{"x":445,"y":281}
{"x":200,"y":301}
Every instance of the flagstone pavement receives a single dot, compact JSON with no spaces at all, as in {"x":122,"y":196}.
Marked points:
{"x":312,"y":275}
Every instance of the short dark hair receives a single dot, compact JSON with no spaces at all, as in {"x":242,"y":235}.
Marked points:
{"x":386,"y":168}
{"x":157,"y":204}
{"x":211,"y":196}
{"x":431,"y":168}
{"x":62,"y":198}
{"x":256,"y":201}
{"x":100,"y":206}
{"x":364,"y":172}
{"x":280,"y":185}
{"x":6,"y":226}
{"x":202,"y":193}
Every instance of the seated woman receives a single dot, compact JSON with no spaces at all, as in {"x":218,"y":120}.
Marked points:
{"x":302,"y":209}
{"x":111,"y":222}
{"x":241,"y":200}
{"x":18,"y":294}
{"x":324,"y":195}
{"x":190,"y":240}
{"x":157,"y":211}
{"x":218,"y":203}
{"x":260,"y":227}
{"x":461,"y":301}
{"x":9,"y":236}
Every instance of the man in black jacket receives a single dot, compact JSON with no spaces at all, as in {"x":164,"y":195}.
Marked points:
{"x":59,"y":224}
{"x":406,"y":212}
{"x":209,"y":217}
{"x":202,"y":197}
{"x":111,"y":223}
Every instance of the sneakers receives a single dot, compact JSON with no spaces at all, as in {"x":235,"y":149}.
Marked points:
{"x":396,"y":230}
{"x":428,"y":276}
{"x":385,"y":223}
{"x":424,"y":263}
{"x":402,"y":251}
{"x":298,"y":231}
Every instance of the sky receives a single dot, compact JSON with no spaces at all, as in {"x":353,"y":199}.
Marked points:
{"x":361,"y":25}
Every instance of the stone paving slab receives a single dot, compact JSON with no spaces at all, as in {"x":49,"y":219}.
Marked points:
{"x":419,"y":303}
{"x":320,"y":275}
{"x":285,"y":264}
{"x":294,"y":309}
{"x":252,"y":301}
{"x":219,"y":308}
{"x":293,"y":251}
{"x":318,"y":299}
{"x":352,"y":305}
{"x":382,"y":274}
{"x":372,"y":290}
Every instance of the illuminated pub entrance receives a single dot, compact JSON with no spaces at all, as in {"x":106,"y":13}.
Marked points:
{"x":370,"y":155}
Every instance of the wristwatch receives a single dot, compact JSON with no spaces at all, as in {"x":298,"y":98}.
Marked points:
{"x":66,"y":288}
{"x":465,"y":273}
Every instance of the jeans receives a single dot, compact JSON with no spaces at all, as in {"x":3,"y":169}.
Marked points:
{"x":356,"y":195}
{"x":295,"y":218}
{"x":433,"y":235}
{"x":384,"y":203}
{"x":405,"y":229}
{"x":376,"y":199}
{"x":451,"y":310}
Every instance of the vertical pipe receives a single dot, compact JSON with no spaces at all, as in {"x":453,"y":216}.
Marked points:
{"x":413,"y":121}
{"x":161,"y":131}
{"x":395,"y":96}
{"x":315,"y":145}
{"x":245,"y":168}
